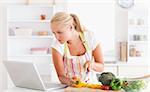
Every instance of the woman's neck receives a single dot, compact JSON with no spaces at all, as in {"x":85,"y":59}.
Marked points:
{"x":75,"y":38}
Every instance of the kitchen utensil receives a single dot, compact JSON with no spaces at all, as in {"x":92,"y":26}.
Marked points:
{"x":86,"y":79}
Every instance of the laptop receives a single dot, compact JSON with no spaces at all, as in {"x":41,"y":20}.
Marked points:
{"x":25,"y":75}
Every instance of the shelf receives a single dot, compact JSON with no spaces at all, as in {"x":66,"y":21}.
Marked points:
{"x":138,"y":26}
{"x":137,"y":36}
{"x":31,"y":55}
{"x":30,"y":20}
{"x":30,"y":37}
{"x":128,"y":63}
{"x":137,"y":31}
{"x":137,"y":59}
{"x":31,"y":6}
{"x":138,"y":42}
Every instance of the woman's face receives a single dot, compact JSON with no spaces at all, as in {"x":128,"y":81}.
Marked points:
{"x":62,"y":33}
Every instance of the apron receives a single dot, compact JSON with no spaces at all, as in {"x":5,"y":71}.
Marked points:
{"x":74,"y":64}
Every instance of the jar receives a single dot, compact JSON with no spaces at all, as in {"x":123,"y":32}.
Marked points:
{"x":132,"y":52}
{"x":43,"y":16}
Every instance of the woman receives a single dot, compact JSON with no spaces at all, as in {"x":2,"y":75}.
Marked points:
{"x":75,"y":53}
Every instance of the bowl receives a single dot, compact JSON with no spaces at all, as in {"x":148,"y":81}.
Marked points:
{"x":40,"y":50}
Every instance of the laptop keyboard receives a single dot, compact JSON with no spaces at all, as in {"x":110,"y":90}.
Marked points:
{"x":54,"y":86}
{"x":50,"y":85}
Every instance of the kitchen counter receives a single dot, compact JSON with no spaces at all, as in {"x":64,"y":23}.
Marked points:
{"x":69,"y":89}
{"x":119,"y":63}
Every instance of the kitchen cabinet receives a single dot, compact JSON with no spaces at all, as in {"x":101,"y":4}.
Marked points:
{"x":137,"y":35}
{"x":128,"y":69}
{"x":28,"y":35}
{"x":133,"y":71}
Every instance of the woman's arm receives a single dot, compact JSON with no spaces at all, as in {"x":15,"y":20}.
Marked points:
{"x":58,"y":63}
{"x":98,"y":65}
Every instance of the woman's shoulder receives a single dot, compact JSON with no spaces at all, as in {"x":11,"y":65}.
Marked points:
{"x":58,"y":46}
{"x":91,"y":39}
{"x":88,"y":34}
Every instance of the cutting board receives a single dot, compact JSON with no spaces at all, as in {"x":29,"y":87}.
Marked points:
{"x":72,"y":89}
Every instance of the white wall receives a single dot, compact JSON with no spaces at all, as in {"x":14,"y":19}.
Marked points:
{"x":13,"y":1}
{"x":121,"y":27}
{"x":3,"y":75}
{"x":1,"y":70}
{"x":98,"y":16}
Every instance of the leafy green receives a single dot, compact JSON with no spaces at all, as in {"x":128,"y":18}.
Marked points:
{"x":133,"y":86}
{"x":116,"y":84}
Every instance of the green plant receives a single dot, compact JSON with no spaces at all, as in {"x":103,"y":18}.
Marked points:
{"x":116,"y":84}
{"x":133,"y":86}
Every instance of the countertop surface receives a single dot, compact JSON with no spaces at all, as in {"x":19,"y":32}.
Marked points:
{"x":68,"y":89}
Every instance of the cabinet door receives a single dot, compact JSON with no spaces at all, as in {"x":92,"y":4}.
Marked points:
{"x":132,"y":71}
{"x":112,"y":69}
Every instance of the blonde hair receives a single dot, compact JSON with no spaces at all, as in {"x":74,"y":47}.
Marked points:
{"x":66,"y":19}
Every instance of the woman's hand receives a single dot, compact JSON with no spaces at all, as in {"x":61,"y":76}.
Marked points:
{"x":78,"y":83}
{"x":68,"y":81}
{"x":87,"y":66}
{"x":74,"y":81}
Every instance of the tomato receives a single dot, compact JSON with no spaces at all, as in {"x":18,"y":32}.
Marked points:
{"x":104,"y":87}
